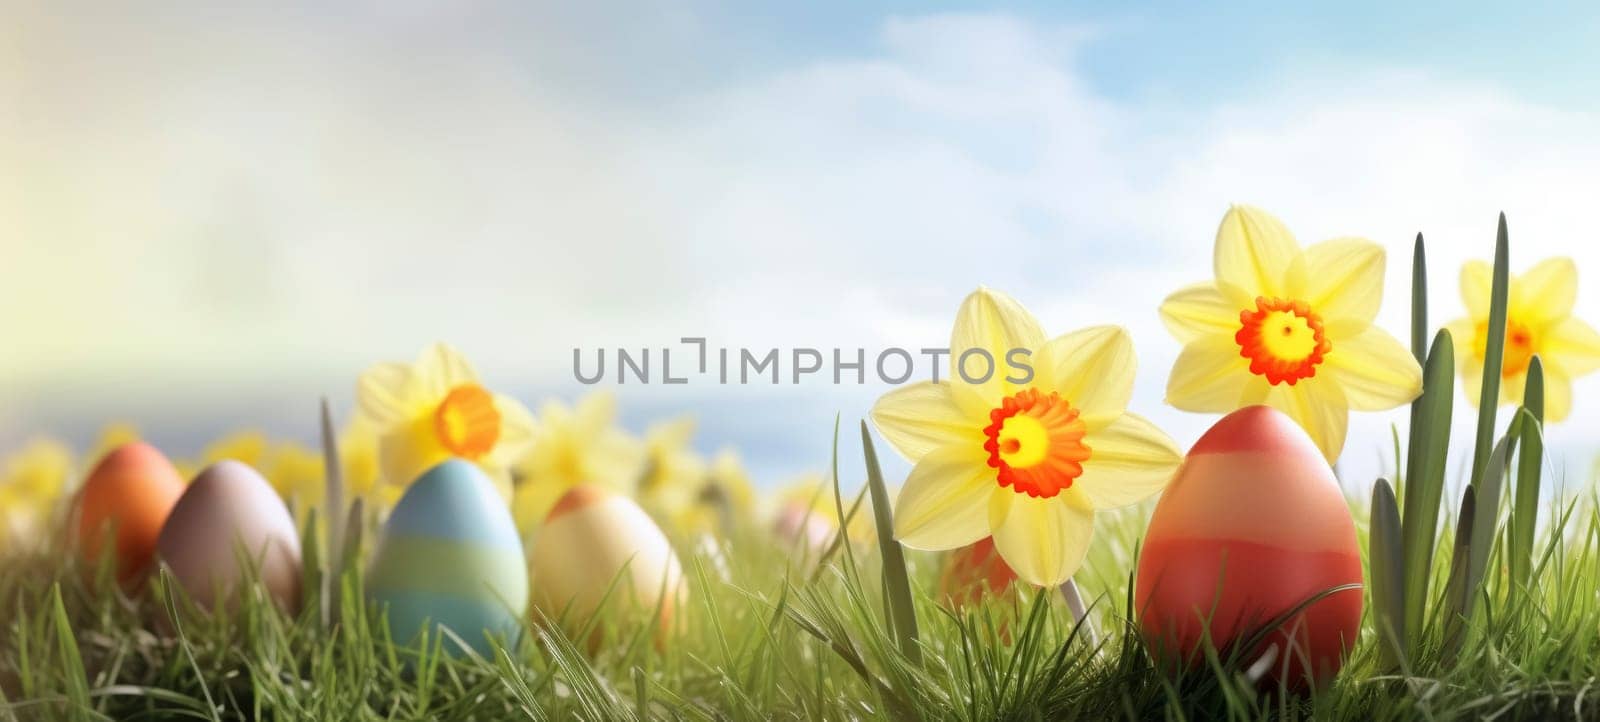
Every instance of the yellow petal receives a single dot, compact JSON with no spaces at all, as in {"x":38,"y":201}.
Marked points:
{"x":1042,"y":540}
{"x":1092,"y":369}
{"x":1209,"y":376}
{"x":997,"y":324}
{"x":1199,"y":310}
{"x":615,"y":459}
{"x":1544,"y":293}
{"x":1464,"y":339}
{"x":1557,"y":397}
{"x":1471,"y":378}
{"x":1254,"y":252}
{"x":554,"y":415}
{"x":1129,"y":460}
{"x":532,"y":501}
{"x":517,"y":430}
{"x":1511,"y":388}
{"x":1373,"y":370}
{"x":671,"y":435}
{"x":1477,"y":280}
{"x":1344,"y":278}
{"x":440,"y":368}
{"x":382,"y":393}
{"x":409,"y":450}
{"x":944,"y":503}
{"x":1318,"y":408}
{"x":1572,"y":346}
{"x":595,"y":412}
{"x":923,"y":416}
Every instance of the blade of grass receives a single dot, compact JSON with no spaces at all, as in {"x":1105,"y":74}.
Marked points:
{"x":313,"y":594}
{"x":903,"y":614}
{"x":1424,"y":487}
{"x":838,"y":499}
{"x":1525,"y":509}
{"x":1485,"y":525}
{"x":1419,"y":348}
{"x":1388,"y":576}
{"x":1494,"y":352}
{"x":79,"y":706}
{"x":1419,"y":302}
{"x":333,"y":498}
{"x":1455,"y":584}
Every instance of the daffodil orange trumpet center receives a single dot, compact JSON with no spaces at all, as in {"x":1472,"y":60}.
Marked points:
{"x":467,"y":422}
{"x":1283,"y":339}
{"x":1035,"y":443}
{"x":1520,"y":347}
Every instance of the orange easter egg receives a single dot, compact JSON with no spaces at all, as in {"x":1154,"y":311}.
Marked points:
{"x":124,"y":502}
{"x":1253,"y":526}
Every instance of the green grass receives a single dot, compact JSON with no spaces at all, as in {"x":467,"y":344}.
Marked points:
{"x":776,"y":639}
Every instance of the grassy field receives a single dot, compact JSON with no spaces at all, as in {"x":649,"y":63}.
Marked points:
{"x":770,"y":634}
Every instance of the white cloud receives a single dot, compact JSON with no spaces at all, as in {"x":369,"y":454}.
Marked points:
{"x":293,"y":207}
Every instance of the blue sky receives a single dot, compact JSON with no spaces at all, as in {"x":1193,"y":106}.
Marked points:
{"x":228,"y":211}
{"x":1189,"y":51}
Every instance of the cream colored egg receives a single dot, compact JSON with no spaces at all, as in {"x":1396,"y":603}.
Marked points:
{"x":591,"y":537}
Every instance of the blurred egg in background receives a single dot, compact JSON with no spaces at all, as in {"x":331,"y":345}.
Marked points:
{"x":968,"y":574}
{"x":125,"y":502}
{"x":230,"y":516}
{"x":592,"y":537}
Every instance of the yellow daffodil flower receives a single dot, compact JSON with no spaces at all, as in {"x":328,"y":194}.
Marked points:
{"x":111,"y":436}
{"x":249,"y":447}
{"x":579,"y":444}
{"x":1290,"y":328}
{"x":731,"y":481}
{"x":1539,"y":322}
{"x":297,"y":472}
{"x":673,"y":473}
{"x":725,"y":499}
{"x":1025,"y":460}
{"x":436,"y":409}
{"x":358,"y":455}
{"x":31,"y":483}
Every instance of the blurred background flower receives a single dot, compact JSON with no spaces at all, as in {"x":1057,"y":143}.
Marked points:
{"x":673,"y":474}
{"x":110,"y":437}
{"x":32,"y":482}
{"x":1539,"y":322}
{"x":578,"y":444}
{"x":247,"y":445}
{"x":358,"y":453}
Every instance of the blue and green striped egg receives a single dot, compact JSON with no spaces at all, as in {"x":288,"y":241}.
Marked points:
{"x":450,"y":555}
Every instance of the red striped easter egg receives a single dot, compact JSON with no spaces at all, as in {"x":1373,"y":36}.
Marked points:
{"x":1253,"y":527}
